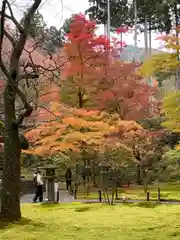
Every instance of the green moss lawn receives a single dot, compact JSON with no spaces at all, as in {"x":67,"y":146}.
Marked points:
{"x":168,"y":192}
{"x":95,"y":222}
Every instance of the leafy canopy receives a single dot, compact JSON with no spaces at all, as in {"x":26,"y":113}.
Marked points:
{"x":77,"y":129}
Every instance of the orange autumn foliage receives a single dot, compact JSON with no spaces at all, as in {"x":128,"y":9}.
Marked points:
{"x":76,"y":127}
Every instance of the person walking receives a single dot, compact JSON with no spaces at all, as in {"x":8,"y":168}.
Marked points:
{"x":38,"y":182}
{"x":68,"y":177}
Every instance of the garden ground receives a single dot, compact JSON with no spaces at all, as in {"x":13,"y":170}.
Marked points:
{"x":143,"y":221}
{"x":168,"y":192}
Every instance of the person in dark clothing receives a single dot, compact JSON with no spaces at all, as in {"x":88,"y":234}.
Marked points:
{"x":39,"y":186}
{"x":68,"y":177}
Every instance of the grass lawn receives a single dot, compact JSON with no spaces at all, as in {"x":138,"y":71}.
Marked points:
{"x":95,"y":222}
{"x":168,"y":191}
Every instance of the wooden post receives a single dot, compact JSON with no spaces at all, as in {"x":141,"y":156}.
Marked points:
{"x":148,"y":196}
{"x":71,"y":190}
{"x":51,"y":190}
{"x":100,"y":196}
{"x":57,"y":196}
{"x":75,"y":191}
{"x":159,"y":194}
{"x":116,"y":194}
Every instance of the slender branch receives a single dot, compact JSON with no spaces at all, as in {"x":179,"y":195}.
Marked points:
{"x":18,"y":26}
{"x":28,"y":108}
{"x":2,"y":24}
{"x":14,"y":62}
{"x":11,"y":39}
{"x":29,"y":76}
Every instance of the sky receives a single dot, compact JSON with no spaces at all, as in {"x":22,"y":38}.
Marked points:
{"x":56,"y":11}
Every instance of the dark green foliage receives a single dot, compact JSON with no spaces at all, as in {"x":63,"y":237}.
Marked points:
{"x":152,"y":124}
{"x":83,"y":209}
{"x":170,"y":138}
{"x":166,"y":138}
{"x":30,"y":160}
{"x":169,"y":167}
{"x":53,"y":39}
{"x":66,"y":26}
{"x":24,"y":142}
{"x":158,"y":13}
{"x":49,"y":38}
{"x":69,"y":94}
{"x":147,"y":204}
{"x":38,"y":26}
{"x":119,"y":12}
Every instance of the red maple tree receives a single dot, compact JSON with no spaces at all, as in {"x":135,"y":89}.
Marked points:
{"x":98,"y":73}
{"x":87,"y":53}
{"x":125,"y":92}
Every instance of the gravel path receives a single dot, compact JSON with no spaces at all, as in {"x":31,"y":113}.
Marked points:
{"x":64,"y":196}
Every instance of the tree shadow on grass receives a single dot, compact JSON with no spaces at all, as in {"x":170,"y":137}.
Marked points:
{"x":22,"y":222}
{"x":144,"y":204}
{"x":48,"y":205}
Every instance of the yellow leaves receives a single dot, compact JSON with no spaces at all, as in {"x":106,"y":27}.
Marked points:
{"x":48,"y":140}
{"x":171,"y":107}
{"x":79,"y":122}
{"x":54,"y":106}
{"x":89,"y":138}
{"x":163,"y":62}
{"x":178,"y":147}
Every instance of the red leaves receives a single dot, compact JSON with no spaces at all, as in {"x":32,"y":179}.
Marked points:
{"x":126,"y":93}
{"x":122,"y":29}
{"x":97,"y":72}
{"x":86,"y":51}
{"x":2,"y":84}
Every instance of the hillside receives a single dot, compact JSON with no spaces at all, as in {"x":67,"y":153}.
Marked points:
{"x":129,"y":53}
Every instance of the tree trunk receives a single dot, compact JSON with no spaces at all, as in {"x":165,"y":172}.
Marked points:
{"x":10,"y":200}
{"x":80,"y":98}
{"x":145,"y":180}
{"x":138,"y":174}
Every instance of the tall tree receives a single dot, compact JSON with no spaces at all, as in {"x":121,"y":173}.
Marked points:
{"x":119,"y":12}
{"x":38,"y":25}
{"x":157,"y":13}
{"x":10,"y":201}
{"x":163,"y":64}
{"x":53,"y":39}
{"x":86,"y":54}
{"x":49,"y":37}
{"x":66,"y":25}
{"x":20,"y":64}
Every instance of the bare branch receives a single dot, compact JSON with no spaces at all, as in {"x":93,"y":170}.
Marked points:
{"x":29,"y":76}
{"x":14,"y":62}
{"x":2,"y":24}
{"x":28,"y":108}
{"x":11,"y":39}
{"x":18,"y":26}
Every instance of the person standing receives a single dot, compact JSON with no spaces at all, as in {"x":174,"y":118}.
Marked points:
{"x":38,"y":182}
{"x":68,"y":177}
